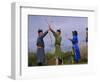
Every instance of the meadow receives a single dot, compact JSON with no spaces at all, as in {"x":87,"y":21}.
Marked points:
{"x":68,"y":57}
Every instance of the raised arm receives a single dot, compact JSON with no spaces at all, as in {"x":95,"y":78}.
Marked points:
{"x":44,"y":34}
{"x":54,"y":33}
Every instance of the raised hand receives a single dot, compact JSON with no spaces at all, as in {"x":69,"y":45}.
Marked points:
{"x":49,"y":27}
{"x":68,"y":37}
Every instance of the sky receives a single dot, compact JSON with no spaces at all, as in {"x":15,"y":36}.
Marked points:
{"x":67,"y":24}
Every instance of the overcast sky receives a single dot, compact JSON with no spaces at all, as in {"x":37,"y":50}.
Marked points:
{"x":66,"y":23}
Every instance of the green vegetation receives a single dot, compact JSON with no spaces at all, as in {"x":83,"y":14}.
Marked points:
{"x":68,"y":58}
{"x":31,"y":59}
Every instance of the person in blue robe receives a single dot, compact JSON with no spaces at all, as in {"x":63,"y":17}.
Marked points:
{"x":40,"y":47}
{"x":75,"y":46}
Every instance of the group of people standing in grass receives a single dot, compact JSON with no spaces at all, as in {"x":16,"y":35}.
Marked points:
{"x":58,"y":53}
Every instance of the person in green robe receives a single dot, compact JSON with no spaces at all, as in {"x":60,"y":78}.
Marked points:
{"x":58,"y":52}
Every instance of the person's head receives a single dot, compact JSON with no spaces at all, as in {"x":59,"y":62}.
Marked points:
{"x":74,"y":33}
{"x":40,"y":32}
{"x":86,"y":28}
{"x":58,"y":32}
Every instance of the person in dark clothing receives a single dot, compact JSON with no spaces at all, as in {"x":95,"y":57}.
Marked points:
{"x":40,"y":47}
{"x":87,"y":35}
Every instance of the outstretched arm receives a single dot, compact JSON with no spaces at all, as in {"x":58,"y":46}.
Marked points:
{"x":73,"y":40}
{"x":70,"y":39}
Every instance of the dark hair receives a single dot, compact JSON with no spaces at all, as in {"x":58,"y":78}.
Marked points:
{"x":40,"y":30}
{"x":86,"y":28}
{"x":75,"y":32}
{"x":59,"y":30}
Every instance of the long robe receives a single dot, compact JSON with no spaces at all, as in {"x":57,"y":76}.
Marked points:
{"x":40,"y":51}
{"x":58,"y":52}
{"x":76,"y":48}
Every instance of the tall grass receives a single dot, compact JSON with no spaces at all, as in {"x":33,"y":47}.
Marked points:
{"x":68,"y":57}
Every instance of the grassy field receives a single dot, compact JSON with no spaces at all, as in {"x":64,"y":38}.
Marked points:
{"x":67,"y":58}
